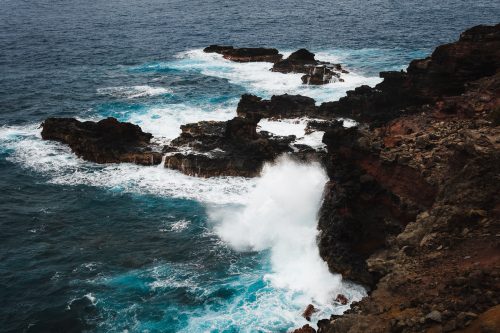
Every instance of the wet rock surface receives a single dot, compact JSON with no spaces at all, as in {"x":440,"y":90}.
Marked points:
{"x":279,"y":106}
{"x":224,"y":148}
{"x":445,"y":73}
{"x":316,"y":72}
{"x":246,"y":54}
{"x":301,"y":61}
{"x":412,"y":208}
{"x":105,"y":141}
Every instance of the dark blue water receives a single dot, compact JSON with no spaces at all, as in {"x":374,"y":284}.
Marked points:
{"x":125,"y":248}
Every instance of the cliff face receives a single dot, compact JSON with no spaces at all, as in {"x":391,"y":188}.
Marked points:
{"x":412,"y":207}
{"x":445,"y":73}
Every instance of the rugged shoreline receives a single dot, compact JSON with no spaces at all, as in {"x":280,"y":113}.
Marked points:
{"x":412,"y":206}
{"x":411,"y":209}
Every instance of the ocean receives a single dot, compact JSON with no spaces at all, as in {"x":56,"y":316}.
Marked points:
{"x":126,"y":248}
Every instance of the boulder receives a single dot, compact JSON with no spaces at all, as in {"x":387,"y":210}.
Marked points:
{"x":309,"y":311}
{"x":411,"y":208}
{"x":105,"y":141}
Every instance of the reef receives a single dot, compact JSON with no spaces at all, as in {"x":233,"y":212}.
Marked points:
{"x":105,"y":141}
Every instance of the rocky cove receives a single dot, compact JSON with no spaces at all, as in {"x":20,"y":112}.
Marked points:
{"x":411,"y":208}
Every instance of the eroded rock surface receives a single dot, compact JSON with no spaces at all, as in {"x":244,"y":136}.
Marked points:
{"x":412,"y":207}
{"x":445,"y":73}
{"x":279,"y":106}
{"x":246,"y":54}
{"x":225,"y":148}
{"x":316,"y":72}
{"x":105,"y":141}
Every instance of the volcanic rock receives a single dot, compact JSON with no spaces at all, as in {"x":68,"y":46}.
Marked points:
{"x":217,"y":49}
{"x":308,"y":312}
{"x":279,"y":106}
{"x":341,"y":299}
{"x":316,"y":72}
{"x":445,"y":73}
{"x":246,"y":54}
{"x":412,"y":208}
{"x":305,"y":329}
{"x":105,"y":141}
{"x":225,"y":148}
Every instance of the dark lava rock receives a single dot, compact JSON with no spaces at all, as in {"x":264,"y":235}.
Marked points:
{"x":305,"y":329}
{"x":316,"y":72}
{"x":225,"y":148}
{"x":411,"y":208}
{"x":105,"y":141}
{"x":246,"y":54}
{"x":341,"y":299}
{"x":308,"y":312}
{"x":446,"y":72}
{"x":318,"y":125}
{"x":217,"y":49}
{"x":279,"y":106}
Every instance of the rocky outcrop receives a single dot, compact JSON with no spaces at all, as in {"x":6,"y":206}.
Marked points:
{"x":305,"y":329}
{"x":224,"y":148}
{"x":445,"y":73}
{"x":105,"y":141}
{"x":279,"y":106}
{"x":246,"y":54}
{"x":316,"y":72}
{"x":412,"y":208}
{"x":217,"y":49}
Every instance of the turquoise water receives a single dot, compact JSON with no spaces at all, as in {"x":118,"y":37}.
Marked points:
{"x":116,"y":248}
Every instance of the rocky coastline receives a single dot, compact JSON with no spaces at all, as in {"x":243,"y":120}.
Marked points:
{"x":411,"y":209}
{"x":301,"y":61}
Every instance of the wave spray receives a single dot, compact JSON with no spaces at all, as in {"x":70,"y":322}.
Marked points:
{"x":280,"y":215}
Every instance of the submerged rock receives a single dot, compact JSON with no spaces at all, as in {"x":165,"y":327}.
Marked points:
{"x":246,"y":54}
{"x":316,"y":72}
{"x":105,"y":141}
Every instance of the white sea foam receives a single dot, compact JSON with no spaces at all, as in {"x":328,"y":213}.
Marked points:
{"x":165,"y":121}
{"x":179,"y":226}
{"x":277,"y":212}
{"x":295,"y":127}
{"x":281,"y":215}
{"x":133,"y":91}
{"x":61,"y":166}
{"x":278,"y":215}
{"x":258,"y":79}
